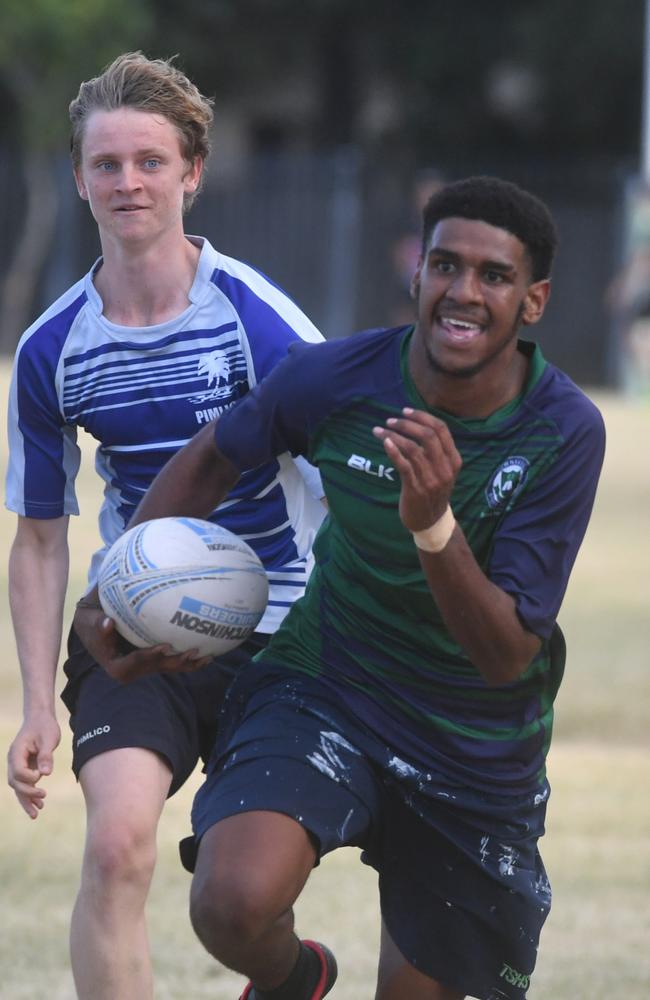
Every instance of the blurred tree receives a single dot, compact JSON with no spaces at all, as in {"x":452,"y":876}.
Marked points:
{"x":423,"y":82}
{"x":237,"y":47}
{"x":536,"y":78}
{"x":554,"y":79}
{"x":47,"y":47}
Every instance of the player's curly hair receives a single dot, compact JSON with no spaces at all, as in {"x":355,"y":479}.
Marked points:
{"x":499,"y":203}
{"x":154,"y":85}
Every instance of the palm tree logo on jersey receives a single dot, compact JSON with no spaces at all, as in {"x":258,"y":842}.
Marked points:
{"x":216,"y":367}
{"x":507,"y":481}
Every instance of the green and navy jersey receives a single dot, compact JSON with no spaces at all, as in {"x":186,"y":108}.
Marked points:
{"x":368,"y":625}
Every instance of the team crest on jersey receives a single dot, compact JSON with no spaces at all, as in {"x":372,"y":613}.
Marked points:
{"x":215,"y":367}
{"x":507,"y":481}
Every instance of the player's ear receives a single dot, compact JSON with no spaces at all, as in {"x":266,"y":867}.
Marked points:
{"x":79,"y":181}
{"x":535,"y":301}
{"x":192,"y":177}
{"x":415,"y":281}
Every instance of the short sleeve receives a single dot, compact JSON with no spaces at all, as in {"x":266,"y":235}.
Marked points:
{"x":535,"y":547}
{"x":276,"y":416}
{"x":44,"y":457}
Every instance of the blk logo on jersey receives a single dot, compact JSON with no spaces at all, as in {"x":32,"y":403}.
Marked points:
{"x":380,"y":470}
{"x":507,"y":481}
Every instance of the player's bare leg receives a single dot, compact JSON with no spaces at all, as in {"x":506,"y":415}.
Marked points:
{"x":125,"y":792}
{"x":250,"y":870}
{"x":398,"y":978}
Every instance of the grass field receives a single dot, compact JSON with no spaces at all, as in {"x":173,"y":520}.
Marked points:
{"x":596,"y":945}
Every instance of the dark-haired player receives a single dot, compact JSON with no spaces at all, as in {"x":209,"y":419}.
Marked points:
{"x":406,"y":703}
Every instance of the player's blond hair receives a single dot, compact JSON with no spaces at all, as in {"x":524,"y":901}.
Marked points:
{"x":153,"y":85}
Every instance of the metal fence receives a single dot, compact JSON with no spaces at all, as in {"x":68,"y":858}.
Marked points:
{"x":325,"y":228}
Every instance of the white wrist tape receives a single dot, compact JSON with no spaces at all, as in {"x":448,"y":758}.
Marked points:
{"x":435,"y":538}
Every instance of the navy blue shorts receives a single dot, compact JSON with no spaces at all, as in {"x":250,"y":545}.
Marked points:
{"x":175,"y":715}
{"x":463,"y":890}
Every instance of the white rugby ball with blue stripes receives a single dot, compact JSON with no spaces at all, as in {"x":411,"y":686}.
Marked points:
{"x":185,"y":582}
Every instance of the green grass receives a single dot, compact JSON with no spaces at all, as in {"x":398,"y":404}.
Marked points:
{"x":597,"y":848}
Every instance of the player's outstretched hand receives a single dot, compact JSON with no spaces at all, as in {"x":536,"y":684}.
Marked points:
{"x":30,"y":758}
{"x":118,"y":657}
{"x":422,"y":450}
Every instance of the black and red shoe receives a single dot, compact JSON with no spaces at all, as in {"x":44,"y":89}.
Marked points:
{"x":327,"y":978}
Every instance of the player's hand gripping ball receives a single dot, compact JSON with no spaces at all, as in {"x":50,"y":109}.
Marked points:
{"x":185,"y":582}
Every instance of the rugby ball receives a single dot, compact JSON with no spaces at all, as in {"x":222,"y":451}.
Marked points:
{"x":185,"y":582}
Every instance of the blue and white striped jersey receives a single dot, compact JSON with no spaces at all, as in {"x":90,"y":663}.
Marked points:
{"x":143,"y":392}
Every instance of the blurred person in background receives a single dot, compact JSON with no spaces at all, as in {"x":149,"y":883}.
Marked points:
{"x":406,"y":249}
{"x":162,"y":334}
{"x":629,"y":299}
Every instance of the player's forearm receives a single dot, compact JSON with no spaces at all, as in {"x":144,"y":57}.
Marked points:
{"x":480,"y":616}
{"x":37,"y":584}
{"x":194,"y":481}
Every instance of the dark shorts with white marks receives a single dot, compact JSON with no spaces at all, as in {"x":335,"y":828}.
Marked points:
{"x":462,"y":887}
{"x":173,"y":715}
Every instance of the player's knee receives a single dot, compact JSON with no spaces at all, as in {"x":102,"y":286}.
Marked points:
{"x":231,"y":912}
{"x":120,"y":852}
